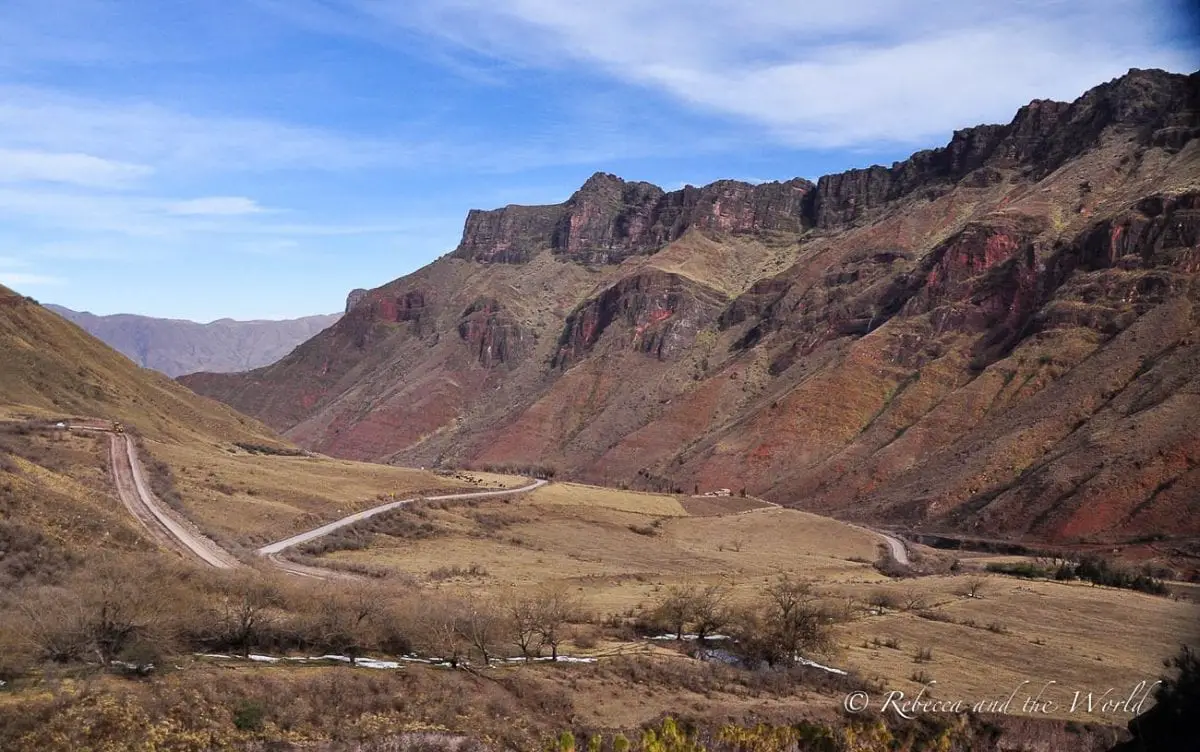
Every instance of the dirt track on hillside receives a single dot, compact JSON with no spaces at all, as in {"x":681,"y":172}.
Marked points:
{"x":135,"y":494}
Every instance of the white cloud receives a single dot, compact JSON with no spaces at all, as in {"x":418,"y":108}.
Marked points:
{"x":26,"y":279}
{"x":138,"y":132}
{"x":79,"y":169}
{"x":216,"y":205}
{"x":838,"y":74}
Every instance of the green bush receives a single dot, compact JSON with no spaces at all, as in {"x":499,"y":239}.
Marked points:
{"x":248,"y":715}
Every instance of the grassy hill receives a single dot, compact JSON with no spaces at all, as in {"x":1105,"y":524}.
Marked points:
{"x":50,"y":367}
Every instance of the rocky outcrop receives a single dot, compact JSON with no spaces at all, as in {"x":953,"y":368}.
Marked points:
{"x":510,"y":235}
{"x":354,"y":298}
{"x":492,"y":335}
{"x":1156,"y":107}
{"x":655,"y":312}
{"x":609,"y":219}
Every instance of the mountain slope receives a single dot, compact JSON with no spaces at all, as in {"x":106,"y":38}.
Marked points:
{"x":998,"y":336}
{"x":176,"y":347}
{"x":51,"y":367}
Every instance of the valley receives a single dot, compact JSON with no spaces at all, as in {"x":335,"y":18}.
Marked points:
{"x":738,"y":456}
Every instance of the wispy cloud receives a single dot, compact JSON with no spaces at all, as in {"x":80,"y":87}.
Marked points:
{"x":139,"y":132}
{"x":834,"y":75}
{"x":216,"y":206}
{"x":25,"y":279}
{"x":80,"y":169}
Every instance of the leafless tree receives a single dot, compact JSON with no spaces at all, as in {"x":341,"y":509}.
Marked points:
{"x":440,"y":632}
{"x":346,"y":617}
{"x":246,"y":607}
{"x":677,"y":608}
{"x":556,"y":606}
{"x":974,"y":587}
{"x":710,"y":613}
{"x":913,"y":600}
{"x":521,"y":613}
{"x":481,"y":626}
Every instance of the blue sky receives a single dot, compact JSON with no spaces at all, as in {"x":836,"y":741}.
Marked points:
{"x":260,"y":158}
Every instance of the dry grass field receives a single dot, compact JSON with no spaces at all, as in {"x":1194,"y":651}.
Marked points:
{"x":620,"y":552}
{"x":1083,"y":638}
{"x":618,"y":558}
{"x":253,"y":499}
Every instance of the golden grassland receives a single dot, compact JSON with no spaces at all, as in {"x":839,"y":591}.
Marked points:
{"x":620,"y":552}
{"x":621,"y":562}
{"x":255,"y":499}
{"x":1082,"y":637}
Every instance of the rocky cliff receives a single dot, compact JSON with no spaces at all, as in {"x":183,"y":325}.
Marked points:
{"x":609,"y":219}
{"x":1000,"y":336}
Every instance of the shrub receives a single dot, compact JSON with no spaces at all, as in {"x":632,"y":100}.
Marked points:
{"x":248,"y":715}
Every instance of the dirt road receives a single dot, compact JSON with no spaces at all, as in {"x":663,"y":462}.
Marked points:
{"x":896,"y":546}
{"x":295,"y":540}
{"x":134,"y":491}
{"x":141,"y":502}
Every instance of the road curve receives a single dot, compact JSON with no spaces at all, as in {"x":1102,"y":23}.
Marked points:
{"x":896,"y":546}
{"x":279,"y":546}
{"x":135,"y":494}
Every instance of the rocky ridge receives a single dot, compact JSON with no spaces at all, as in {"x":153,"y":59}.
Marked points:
{"x":999,"y":334}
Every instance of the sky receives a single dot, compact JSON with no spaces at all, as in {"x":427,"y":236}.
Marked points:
{"x":261,"y":158}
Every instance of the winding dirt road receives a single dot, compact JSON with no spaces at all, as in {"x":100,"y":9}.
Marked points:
{"x":896,"y":546}
{"x":134,"y":491}
{"x":135,"y":494}
{"x":130,"y":480}
{"x":326,"y":529}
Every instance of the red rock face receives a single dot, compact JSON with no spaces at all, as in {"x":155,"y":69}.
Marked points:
{"x":656,"y":313}
{"x":492,"y":335}
{"x":999,"y":337}
{"x":609,"y":219}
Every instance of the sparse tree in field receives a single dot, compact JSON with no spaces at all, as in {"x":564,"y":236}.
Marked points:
{"x":120,"y":610}
{"x":709,"y":611}
{"x":556,"y":606}
{"x":793,"y":619}
{"x":54,"y":623}
{"x":245,"y":610}
{"x":522,"y":614}
{"x":481,"y":626}
{"x":974,"y":587}
{"x":346,"y":618}
{"x":678,"y":608}
{"x":440,"y":630}
{"x":912,"y":599}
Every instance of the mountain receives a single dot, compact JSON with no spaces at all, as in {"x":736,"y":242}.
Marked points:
{"x":997,"y":337}
{"x":51,"y":368}
{"x":176,"y":347}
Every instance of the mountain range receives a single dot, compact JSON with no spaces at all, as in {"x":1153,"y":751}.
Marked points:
{"x":176,"y":347}
{"x":996,"y":338}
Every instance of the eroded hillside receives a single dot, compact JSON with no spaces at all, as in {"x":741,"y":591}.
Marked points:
{"x":998,"y":336}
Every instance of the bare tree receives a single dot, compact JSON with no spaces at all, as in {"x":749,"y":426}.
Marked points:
{"x":792,"y":618}
{"x":440,"y":631}
{"x":709,"y":611}
{"x":346,"y":618}
{"x":481,"y":626}
{"x":245,"y":610}
{"x":913,"y":600}
{"x":974,"y":587}
{"x":120,"y":609}
{"x":522,"y":614}
{"x":556,"y":606}
{"x":677,"y":608}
